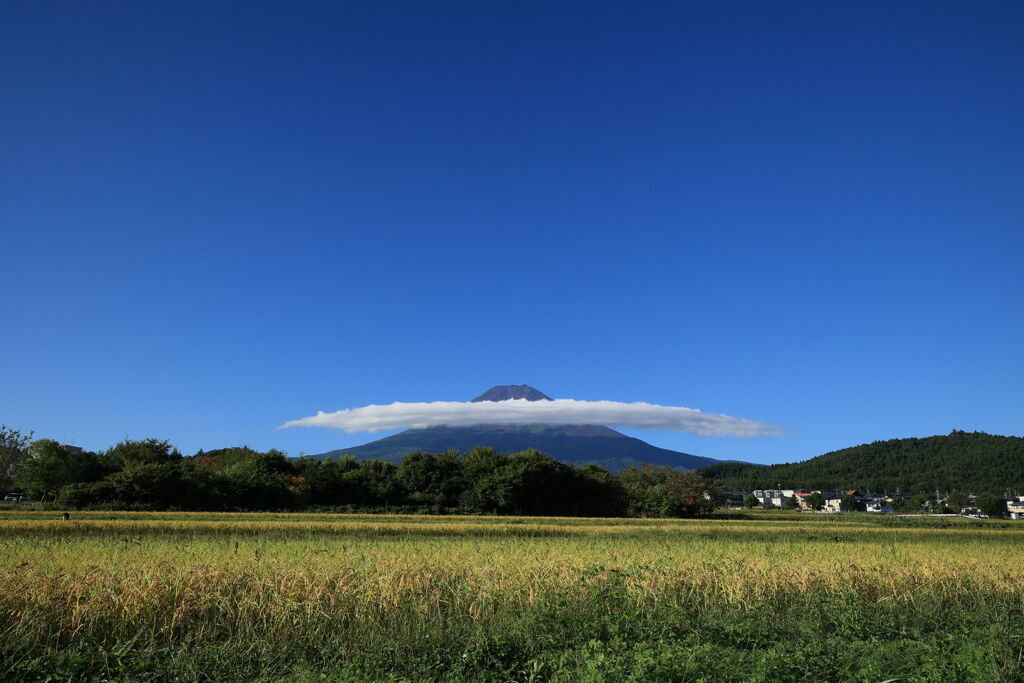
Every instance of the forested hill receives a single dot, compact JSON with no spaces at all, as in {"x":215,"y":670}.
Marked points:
{"x":968,"y":461}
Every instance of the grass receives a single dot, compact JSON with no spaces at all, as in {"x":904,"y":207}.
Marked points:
{"x":775,"y":597}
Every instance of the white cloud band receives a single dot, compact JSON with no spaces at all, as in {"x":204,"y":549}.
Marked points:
{"x":373,"y":418}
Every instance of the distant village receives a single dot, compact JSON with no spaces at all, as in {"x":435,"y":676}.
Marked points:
{"x":1004,"y":506}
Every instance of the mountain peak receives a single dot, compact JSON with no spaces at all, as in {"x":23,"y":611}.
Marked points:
{"x":504,"y":392}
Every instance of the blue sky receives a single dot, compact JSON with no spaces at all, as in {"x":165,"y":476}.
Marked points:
{"x":219,"y":218}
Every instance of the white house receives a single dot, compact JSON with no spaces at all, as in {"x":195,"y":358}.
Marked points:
{"x":776,"y":497}
{"x":878,"y":505}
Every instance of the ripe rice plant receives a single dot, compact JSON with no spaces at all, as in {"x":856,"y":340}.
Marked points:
{"x":206,"y":596}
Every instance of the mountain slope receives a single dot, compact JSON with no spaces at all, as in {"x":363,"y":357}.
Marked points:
{"x":973,"y":462}
{"x":576,"y":444}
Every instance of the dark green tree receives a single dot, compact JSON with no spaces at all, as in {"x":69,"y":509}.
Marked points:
{"x":145,"y":473}
{"x":372,"y":483}
{"x":921,"y":501}
{"x":251,"y":480}
{"x":537,"y":484}
{"x":12,"y":452}
{"x":83,"y":495}
{"x":957,"y":500}
{"x":644,"y":491}
{"x":665,"y":492}
{"x":129,"y":453}
{"x":48,"y":467}
{"x":432,"y":479}
{"x":989,"y":504}
{"x":695,"y":495}
{"x":322,"y":482}
{"x":816,"y":501}
{"x":153,"y":485}
{"x":484,"y":489}
{"x":595,"y":492}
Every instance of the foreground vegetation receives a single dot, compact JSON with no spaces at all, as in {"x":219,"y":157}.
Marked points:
{"x":775,"y":597}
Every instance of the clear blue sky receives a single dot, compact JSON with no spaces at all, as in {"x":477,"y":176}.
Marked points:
{"x":218,"y":217}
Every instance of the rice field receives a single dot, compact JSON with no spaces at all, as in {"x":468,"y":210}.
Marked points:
{"x":784,"y":597}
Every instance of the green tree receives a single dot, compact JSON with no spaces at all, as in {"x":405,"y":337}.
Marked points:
{"x":128,"y":454}
{"x":87,"y":494}
{"x":644,"y":493}
{"x":12,"y":452}
{"x":595,"y":492}
{"x":848,"y":503}
{"x":373,"y":483}
{"x":538,"y":484}
{"x":921,"y":501}
{"x":484,"y":491}
{"x":48,"y":467}
{"x":154,"y":485}
{"x":322,"y":482}
{"x":989,"y":504}
{"x":816,"y":501}
{"x":694,"y":495}
{"x":751,"y":501}
{"x":791,"y":503}
{"x":252,"y":480}
{"x":664,"y":492}
{"x":957,"y":501}
{"x":432,"y":479}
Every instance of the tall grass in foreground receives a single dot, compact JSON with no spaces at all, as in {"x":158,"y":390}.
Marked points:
{"x":243,"y":597}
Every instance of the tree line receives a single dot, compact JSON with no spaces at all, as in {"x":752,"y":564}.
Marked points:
{"x":152,"y":474}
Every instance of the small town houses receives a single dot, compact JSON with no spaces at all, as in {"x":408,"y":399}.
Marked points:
{"x":833,"y":501}
{"x":878,"y":505}
{"x":776,"y":497}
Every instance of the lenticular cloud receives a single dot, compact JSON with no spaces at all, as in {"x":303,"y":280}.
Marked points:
{"x":562,"y":411}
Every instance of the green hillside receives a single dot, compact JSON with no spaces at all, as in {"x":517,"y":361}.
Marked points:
{"x":973,"y":461}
